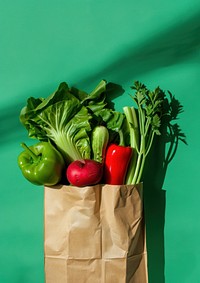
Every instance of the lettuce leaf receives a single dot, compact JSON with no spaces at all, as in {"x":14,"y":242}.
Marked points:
{"x":62,"y":119}
{"x":67,"y":118}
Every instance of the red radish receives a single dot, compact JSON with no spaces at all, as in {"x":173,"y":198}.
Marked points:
{"x":84,"y":172}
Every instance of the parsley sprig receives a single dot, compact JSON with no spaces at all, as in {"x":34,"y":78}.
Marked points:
{"x":144,"y":123}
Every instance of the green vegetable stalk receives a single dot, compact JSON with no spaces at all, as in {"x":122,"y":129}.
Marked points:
{"x":99,"y":141}
{"x":144,"y":123}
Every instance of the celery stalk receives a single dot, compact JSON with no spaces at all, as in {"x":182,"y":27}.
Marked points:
{"x":132,"y":120}
{"x":144,"y":123}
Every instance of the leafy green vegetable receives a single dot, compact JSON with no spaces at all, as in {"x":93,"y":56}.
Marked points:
{"x":67,"y":118}
{"x":153,"y":112}
{"x":144,"y":123}
{"x":62,"y":119}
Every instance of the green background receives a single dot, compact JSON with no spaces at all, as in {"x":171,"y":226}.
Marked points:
{"x":82,"y":41}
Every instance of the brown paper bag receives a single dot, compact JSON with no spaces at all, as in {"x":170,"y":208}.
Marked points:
{"x":95,"y":234}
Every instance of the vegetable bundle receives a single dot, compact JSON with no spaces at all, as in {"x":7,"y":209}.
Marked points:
{"x":89,"y":134}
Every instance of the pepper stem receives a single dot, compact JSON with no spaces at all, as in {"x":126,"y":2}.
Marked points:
{"x":32,"y":154}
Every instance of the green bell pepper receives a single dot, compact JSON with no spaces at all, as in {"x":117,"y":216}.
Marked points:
{"x":41,"y":164}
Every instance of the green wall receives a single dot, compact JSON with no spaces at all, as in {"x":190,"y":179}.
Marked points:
{"x":82,"y":41}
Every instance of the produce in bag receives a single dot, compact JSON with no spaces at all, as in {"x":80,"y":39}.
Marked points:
{"x":99,"y":180}
{"x":84,"y":126}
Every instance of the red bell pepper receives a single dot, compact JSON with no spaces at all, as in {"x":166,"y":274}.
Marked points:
{"x":116,"y":164}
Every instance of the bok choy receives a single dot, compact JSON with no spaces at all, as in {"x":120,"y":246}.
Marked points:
{"x":67,"y":118}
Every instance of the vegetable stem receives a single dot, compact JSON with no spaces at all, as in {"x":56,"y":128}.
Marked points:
{"x":131,"y":117}
{"x":150,"y":144}
{"x":67,"y":147}
{"x":137,"y":168}
{"x":121,"y":138}
{"x":32,"y":154}
{"x":142,"y":127}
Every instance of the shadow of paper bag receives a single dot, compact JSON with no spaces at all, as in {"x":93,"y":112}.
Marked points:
{"x":95,"y":234}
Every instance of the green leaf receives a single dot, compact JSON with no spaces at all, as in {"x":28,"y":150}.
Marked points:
{"x":62,"y":119}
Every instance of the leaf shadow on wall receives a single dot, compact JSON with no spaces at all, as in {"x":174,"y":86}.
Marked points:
{"x":161,"y":155}
{"x":168,"y":47}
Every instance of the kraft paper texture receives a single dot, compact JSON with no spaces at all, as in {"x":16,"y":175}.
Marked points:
{"x":94,"y":234}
